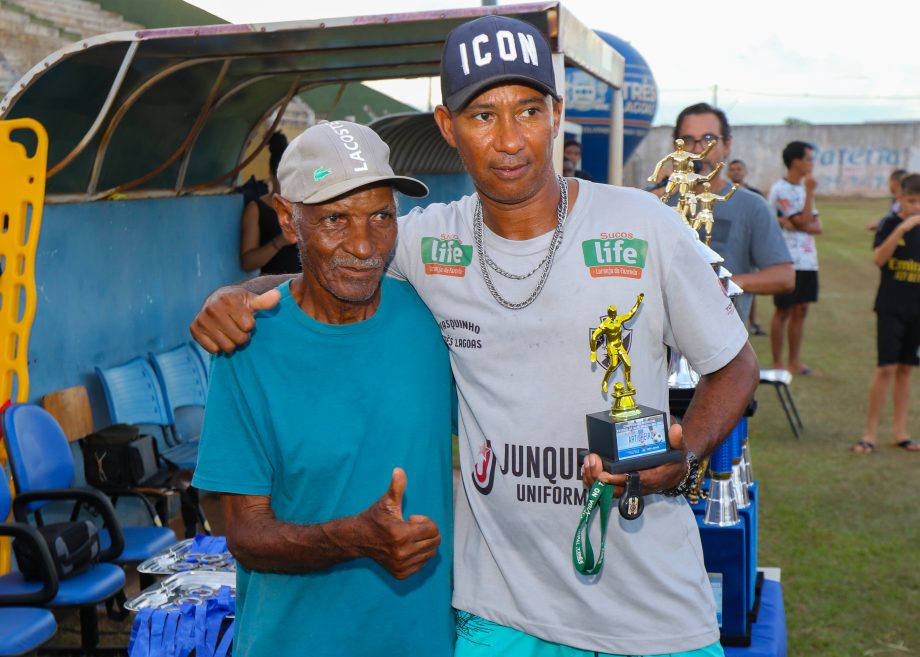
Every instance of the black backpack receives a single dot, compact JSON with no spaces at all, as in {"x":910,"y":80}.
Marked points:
{"x":74,"y":548}
{"x":120,"y":457}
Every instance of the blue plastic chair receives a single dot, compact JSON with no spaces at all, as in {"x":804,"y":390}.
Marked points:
{"x":23,"y":426}
{"x":24,"y":627}
{"x":205,"y":358}
{"x":40,"y":459}
{"x":184,"y":383}
{"x":134,"y":396}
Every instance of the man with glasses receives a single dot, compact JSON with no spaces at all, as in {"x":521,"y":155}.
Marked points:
{"x":745,"y":232}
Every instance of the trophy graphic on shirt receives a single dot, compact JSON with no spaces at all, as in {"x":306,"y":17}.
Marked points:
{"x":629,"y":436}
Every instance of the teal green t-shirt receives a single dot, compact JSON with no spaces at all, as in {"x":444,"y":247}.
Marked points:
{"x":317,"y":416}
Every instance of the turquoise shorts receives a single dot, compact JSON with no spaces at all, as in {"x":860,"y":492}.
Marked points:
{"x":478,"y":637}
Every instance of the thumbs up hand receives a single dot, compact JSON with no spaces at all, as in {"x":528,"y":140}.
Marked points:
{"x":401,"y":546}
{"x":227,"y":319}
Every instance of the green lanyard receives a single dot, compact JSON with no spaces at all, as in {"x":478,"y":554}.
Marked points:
{"x":600,"y":495}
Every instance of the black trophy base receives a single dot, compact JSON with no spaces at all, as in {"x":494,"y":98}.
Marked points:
{"x":634,"y":443}
{"x":640,"y":463}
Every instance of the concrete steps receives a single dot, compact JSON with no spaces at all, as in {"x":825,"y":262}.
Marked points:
{"x":30,"y":30}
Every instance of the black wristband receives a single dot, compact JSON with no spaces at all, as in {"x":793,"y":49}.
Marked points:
{"x":691,"y":478}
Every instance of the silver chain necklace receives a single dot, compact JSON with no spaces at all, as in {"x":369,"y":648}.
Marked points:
{"x":486,"y":263}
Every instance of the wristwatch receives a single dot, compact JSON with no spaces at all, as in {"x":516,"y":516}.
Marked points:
{"x":691,"y":478}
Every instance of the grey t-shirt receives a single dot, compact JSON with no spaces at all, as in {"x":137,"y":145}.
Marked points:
{"x":525,"y":383}
{"x":745,"y":232}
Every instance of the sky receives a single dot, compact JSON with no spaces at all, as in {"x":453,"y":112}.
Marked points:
{"x":763,"y":62}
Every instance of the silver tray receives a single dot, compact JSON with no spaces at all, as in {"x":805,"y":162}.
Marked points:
{"x":194,"y":586}
{"x":175,"y":560}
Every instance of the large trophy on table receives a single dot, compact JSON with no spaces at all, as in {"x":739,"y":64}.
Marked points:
{"x":696,"y":209}
{"x":631,"y":437}
{"x":727,"y":521}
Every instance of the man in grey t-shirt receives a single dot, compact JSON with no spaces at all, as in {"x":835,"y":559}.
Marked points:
{"x":745,"y":231}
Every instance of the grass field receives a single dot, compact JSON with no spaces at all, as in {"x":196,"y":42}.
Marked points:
{"x":845,"y":529}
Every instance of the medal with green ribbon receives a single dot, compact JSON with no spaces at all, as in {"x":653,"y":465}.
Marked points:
{"x":600,"y":495}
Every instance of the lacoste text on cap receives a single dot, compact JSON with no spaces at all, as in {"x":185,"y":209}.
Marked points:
{"x":333,"y":158}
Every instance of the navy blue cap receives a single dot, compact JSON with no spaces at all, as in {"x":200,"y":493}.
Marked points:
{"x":494,"y":50}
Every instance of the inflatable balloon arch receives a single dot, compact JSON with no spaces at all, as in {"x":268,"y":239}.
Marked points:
{"x":587,"y":104}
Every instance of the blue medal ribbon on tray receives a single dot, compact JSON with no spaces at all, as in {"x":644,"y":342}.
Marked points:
{"x":209,"y":552}
{"x":162,"y":633}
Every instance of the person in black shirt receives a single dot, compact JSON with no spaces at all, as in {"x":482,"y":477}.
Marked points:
{"x":737,"y":172}
{"x":897,"y":308}
{"x":262,"y":244}
{"x":572,"y":151}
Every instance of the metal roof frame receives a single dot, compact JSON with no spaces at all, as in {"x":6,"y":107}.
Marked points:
{"x":173,"y":111}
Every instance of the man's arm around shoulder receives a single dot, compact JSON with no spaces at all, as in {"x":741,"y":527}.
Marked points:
{"x":228,"y":315}
{"x":259,"y":541}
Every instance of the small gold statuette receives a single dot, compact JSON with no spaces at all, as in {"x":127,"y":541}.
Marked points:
{"x":611,"y":328}
{"x":686,"y":204}
{"x":695,"y":206}
{"x":706,"y":199}
{"x":683,"y":174}
{"x":628,"y":437}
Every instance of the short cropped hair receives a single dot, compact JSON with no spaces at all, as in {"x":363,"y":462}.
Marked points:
{"x":741,"y":162}
{"x":795,"y":150}
{"x":571,"y":142}
{"x":277,"y":144}
{"x":898,"y":174}
{"x":703,"y":108}
{"x":910,"y":184}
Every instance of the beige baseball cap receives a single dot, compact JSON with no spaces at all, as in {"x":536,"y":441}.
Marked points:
{"x":333,"y":158}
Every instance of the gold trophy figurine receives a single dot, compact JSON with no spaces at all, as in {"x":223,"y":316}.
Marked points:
{"x":686,"y":207}
{"x":686,"y":204}
{"x":612,"y":329}
{"x":682,"y":177}
{"x":706,"y":200}
{"x":629,"y":436}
